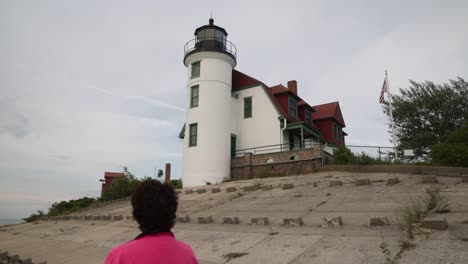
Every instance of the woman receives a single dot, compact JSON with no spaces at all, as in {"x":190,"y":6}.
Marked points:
{"x":154,"y":208}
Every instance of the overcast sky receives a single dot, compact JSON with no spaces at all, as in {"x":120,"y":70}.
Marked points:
{"x":89,"y":86}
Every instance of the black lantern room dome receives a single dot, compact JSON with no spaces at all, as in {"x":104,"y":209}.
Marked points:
{"x":210,"y":38}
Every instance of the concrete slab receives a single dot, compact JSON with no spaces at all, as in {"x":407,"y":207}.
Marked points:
{"x":360,"y":182}
{"x":435,"y":223}
{"x":286,"y":248}
{"x":428,"y":179}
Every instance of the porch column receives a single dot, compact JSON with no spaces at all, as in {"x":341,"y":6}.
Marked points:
{"x":302,"y":137}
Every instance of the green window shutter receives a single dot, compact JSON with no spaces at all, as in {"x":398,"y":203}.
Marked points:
{"x":194,"y":90}
{"x":247,"y":107}
{"x":193,"y":132}
{"x":195,"y":70}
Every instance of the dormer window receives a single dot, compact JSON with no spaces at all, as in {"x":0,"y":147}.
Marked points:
{"x":308,"y":117}
{"x":292,"y":107}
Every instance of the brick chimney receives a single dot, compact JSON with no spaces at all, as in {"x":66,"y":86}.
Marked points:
{"x":292,"y":86}
{"x":168,"y":172}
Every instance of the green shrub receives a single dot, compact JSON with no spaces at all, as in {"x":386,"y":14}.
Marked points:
{"x":70,"y":206}
{"x":177,"y":183}
{"x":364,"y":159}
{"x":454,"y":151}
{"x":34,"y":217}
{"x":121,"y":187}
{"x":344,"y":156}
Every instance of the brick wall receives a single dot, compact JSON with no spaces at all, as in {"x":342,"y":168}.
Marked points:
{"x":279,"y":164}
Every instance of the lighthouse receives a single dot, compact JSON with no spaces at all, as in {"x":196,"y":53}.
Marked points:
{"x":210,"y":59}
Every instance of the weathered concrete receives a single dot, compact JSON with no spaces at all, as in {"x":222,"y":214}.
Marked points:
{"x":231,"y":220}
{"x":293,"y":221}
{"x":205,"y":219}
{"x":332,"y":221}
{"x":378,"y":221}
{"x":215,"y":190}
{"x":464,"y":178}
{"x":267,"y":187}
{"x":435,"y":223}
{"x":287,"y":186}
{"x":259,"y":221}
{"x":429,"y":179}
{"x":183,"y":219}
{"x":201,"y":191}
{"x":118,"y":217}
{"x":335,"y":183}
{"x":231,"y":189}
{"x":360,"y":182}
{"x":188,"y":191}
{"x":77,"y":242}
{"x":393,"y":181}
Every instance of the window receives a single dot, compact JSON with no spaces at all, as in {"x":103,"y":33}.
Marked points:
{"x":193,"y":135}
{"x":308,"y":117}
{"x":337,"y":131}
{"x":247,"y":107}
{"x":294,"y":157}
{"x":195,"y":70}
{"x":292,"y":106}
{"x":194,"y":96}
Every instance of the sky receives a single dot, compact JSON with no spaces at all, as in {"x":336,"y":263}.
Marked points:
{"x":91,"y":86}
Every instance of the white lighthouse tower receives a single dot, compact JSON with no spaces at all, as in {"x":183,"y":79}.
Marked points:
{"x":209,"y":59}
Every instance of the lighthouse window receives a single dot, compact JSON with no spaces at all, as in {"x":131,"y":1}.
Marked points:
{"x":247,"y":107}
{"x":193,"y":135}
{"x":194,"y":96}
{"x":195,"y":70}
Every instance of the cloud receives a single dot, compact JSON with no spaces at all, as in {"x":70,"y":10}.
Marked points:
{"x":12,"y":121}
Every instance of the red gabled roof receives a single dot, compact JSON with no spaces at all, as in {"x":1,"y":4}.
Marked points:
{"x":240,"y":80}
{"x":108,"y":174}
{"x":330,"y":110}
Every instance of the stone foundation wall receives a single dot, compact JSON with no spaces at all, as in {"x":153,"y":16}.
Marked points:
{"x":275,"y":164}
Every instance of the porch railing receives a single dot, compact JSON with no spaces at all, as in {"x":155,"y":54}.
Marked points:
{"x":306,"y":144}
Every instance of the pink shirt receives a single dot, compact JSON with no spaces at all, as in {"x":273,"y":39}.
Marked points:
{"x":152,"y":249}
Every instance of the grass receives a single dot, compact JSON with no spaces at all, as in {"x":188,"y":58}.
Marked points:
{"x":408,"y":214}
{"x":433,"y":198}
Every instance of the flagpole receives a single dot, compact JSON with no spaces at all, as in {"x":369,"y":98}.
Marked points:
{"x":391,"y":116}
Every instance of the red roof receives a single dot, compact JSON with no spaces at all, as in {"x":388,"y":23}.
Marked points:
{"x":108,"y":174}
{"x":240,"y":80}
{"x":329,"y":110}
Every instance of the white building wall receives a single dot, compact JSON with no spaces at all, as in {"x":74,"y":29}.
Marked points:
{"x":263,"y":128}
{"x":209,"y":161}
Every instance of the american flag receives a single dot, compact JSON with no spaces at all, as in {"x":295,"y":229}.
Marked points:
{"x":384,"y":89}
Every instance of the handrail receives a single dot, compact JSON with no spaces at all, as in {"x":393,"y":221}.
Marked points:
{"x":196,"y":44}
{"x":306,"y":144}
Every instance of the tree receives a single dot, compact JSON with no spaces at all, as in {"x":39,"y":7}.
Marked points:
{"x":454,"y":151}
{"x":426,"y":113}
{"x":121,"y":187}
{"x":34,"y":217}
{"x":160,"y":173}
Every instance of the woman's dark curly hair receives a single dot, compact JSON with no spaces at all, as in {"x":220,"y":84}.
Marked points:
{"x":154,"y":206}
